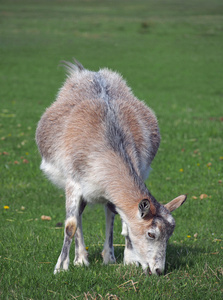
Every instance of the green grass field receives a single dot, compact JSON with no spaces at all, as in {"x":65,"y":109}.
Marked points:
{"x":170,"y":53}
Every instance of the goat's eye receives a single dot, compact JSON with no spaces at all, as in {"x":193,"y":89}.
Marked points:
{"x":152,"y":236}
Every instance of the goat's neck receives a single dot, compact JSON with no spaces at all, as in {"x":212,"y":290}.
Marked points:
{"x":122,"y":184}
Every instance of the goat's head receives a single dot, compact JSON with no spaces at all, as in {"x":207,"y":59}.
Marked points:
{"x":148,"y":234}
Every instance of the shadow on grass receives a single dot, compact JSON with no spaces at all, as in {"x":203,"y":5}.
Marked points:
{"x":95,"y":255}
{"x":181,"y":256}
{"x":178,"y":257}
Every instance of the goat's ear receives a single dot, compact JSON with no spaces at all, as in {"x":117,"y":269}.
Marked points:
{"x":144,"y":207}
{"x":175,"y":203}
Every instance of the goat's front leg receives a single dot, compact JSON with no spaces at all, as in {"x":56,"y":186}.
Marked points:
{"x":108,"y":251}
{"x":129,"y":256}
{"x":73,"y":203}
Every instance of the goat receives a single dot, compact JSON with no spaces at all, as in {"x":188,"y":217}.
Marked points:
{"x":97,"y":142}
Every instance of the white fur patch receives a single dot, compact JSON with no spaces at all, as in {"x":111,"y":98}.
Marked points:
{"x":53,"y":173}
{"x":124,"y":229}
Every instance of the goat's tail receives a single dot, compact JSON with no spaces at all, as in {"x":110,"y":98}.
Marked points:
{"x":72,"y":67}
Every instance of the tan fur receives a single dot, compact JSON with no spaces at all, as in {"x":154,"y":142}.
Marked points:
{"x":175,"y":203}
{"x":71,"y":229}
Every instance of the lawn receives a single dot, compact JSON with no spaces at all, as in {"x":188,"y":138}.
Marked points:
{"x":170,"y":53}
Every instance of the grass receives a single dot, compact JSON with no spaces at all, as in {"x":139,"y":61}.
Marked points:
{"x":170,"y":52}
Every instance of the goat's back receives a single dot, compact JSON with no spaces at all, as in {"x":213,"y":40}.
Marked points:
{"x":96,"y":112}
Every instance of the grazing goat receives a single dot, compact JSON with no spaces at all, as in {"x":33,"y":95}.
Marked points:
{"x":97,"y":142}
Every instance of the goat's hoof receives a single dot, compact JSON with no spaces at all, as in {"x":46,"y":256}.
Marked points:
{"x":57,"y":271}
{"x":81,"y":262}
{"x":108,"y":258}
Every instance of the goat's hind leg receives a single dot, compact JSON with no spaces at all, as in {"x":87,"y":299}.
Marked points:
{"x":63,"y":260}
{"x":81,"y":254}
{"x":108,"y":251}
{"x":73,"y":202}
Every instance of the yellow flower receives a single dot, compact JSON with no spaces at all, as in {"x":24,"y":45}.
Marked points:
{"x":6,"y":207}
{"x":181,"y":170}
{"x":87,"y":248}
{"x":189,"y":236}
{"x":198,"y":164}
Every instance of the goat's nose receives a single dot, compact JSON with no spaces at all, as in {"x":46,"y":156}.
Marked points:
{"x":158,"y":272}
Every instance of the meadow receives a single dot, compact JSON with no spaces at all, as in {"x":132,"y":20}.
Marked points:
{"x":170,"y":53}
